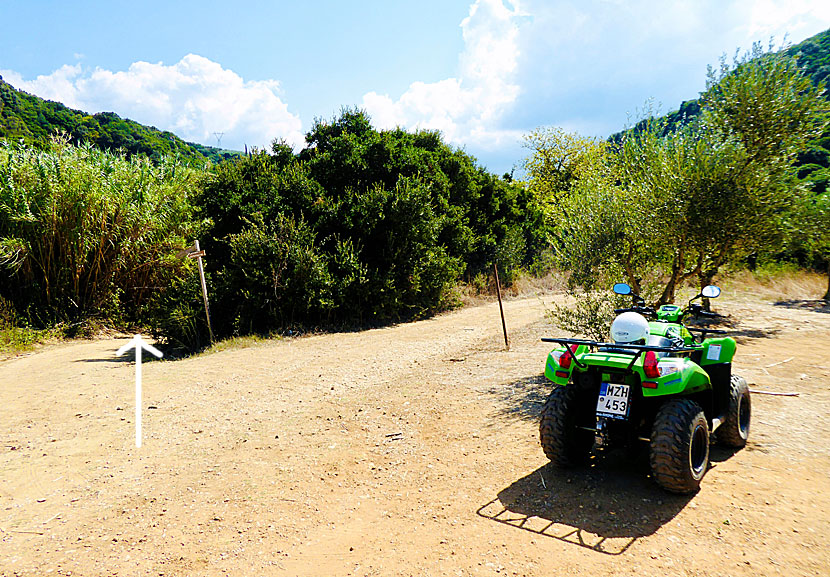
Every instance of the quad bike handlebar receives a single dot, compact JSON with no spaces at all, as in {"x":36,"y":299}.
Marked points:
{"x":698,"y":311}
{"x":709,"y":315}
{"x":645,"y":311}
{"x":693,"y":309}
{"x":704,"y":332}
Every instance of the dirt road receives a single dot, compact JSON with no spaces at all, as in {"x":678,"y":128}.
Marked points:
{"x":409,"y":450}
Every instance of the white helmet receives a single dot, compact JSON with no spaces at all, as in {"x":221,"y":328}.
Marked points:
{"x":629,"y":327}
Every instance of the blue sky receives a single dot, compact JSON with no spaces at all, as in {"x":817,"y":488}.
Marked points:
{"x":484,"y":72}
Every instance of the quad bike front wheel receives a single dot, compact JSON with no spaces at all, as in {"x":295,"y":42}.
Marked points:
{"x":679,"y":454}
{"x":734,"y":431}
{"x":564,"y":442}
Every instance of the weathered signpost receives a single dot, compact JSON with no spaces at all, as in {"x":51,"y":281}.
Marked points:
{"x":196,"y":253}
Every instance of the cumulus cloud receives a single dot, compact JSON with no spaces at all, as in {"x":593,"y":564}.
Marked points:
{"x":466,"y":109}
{"x":796,"y":18}
{"x":590,"y":64}
{"x":193,"y":98}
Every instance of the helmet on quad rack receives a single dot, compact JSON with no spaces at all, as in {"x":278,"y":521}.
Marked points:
{"x":629,"y":327}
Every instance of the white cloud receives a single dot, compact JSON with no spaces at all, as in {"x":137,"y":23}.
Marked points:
{"x":193,"y":98}
{"x":466,"y":109}
{"x":580,"y":64}
{"x":797,"y":18}
{"x":588,"y":64}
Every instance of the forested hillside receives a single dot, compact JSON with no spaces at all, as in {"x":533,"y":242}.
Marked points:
{"x":813,"y":55}
{"x":34,"y":120}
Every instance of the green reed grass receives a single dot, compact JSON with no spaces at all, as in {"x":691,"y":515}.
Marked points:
{"x":88,"y":233}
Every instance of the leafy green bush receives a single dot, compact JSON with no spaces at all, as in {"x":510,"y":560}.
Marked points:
{"x":592,"y":305}
{"x":362,"y":226}
{"x":590,"y":314}
{"x":176,"y":313}
{"x":275,"y":278}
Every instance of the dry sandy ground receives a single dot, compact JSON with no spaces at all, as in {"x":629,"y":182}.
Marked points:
{"x":409,"y":450}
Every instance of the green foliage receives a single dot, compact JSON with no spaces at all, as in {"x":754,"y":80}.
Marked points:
{"x":590,"y":315}
{"x":87,"y":233}
{"x":813,"y":56}
{"x":360,"y":226}
{"x":765,"y":101}
{"x":591,"y":310}
{"x":684,"y":202}
{"x":771,"y":270}
{"x":175,"y":312}
{"x":557,"y":161}
{"x":275,"y":276}
{"x":35,"y":121}
{"x":708,"y":202}
{"x":14,"y":338}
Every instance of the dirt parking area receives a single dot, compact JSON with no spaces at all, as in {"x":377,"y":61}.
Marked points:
{"x":408,"y":450}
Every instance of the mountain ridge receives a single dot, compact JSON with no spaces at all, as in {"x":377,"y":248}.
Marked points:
{"x":35,"y":120}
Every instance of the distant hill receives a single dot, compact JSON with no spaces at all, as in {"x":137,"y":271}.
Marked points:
{"x":33,"y":119}
{"x":813,"y":56}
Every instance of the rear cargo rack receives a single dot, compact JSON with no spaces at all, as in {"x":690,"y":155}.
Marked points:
{"x":635,"y":350}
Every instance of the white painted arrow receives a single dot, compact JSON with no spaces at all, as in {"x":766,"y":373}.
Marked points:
{"x":138,"y":343}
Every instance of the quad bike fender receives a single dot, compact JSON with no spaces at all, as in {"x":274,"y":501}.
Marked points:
{"x":717,"y":350}
{"x":681,"y":376}
{"x":554,"y":371}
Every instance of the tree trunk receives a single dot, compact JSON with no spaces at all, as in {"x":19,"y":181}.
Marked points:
{"x":827,"y":294}
{"x":633,"y":279}
{"x":676,"y":277}
{"x":668,"y":290}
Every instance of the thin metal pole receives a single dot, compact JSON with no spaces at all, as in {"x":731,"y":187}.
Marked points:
{"x":501,"y":309}
{"x":204,"y":289}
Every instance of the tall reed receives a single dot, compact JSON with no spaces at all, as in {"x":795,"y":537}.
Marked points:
{"x":88,"y":233}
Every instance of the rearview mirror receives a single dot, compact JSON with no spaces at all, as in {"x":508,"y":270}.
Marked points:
{"x":710,"y":292}
{"x":622,"y":289}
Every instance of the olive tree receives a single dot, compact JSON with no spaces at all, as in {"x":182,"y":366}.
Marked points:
{"x":686,"y":202}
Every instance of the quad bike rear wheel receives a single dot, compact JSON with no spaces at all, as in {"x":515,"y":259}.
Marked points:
{"x":564,"y":442}
{"x":679,"y":454}
{"x":734,"y":431}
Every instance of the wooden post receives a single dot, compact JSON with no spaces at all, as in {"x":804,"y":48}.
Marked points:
{"x":198,"y":254}
{"x":501,"y":309}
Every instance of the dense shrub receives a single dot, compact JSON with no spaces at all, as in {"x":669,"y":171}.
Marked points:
{"x":361,"y":226}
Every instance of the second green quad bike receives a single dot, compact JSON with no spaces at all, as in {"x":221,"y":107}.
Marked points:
{"x":655,"y":383}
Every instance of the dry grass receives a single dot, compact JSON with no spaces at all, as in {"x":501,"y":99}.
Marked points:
{"x":483,"y":289}
{"x":526,"y":284}
{"x":787,"y":283}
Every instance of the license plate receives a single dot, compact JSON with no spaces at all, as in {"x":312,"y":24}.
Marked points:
{"x":613,"y":400}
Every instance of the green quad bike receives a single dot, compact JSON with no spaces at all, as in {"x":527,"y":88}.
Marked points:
{"x":655,"y":383}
